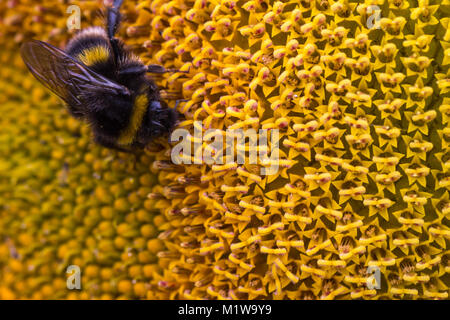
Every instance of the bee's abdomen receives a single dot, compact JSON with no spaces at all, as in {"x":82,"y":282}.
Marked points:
{"x":140,"y":105}
{"x":91,"y":46}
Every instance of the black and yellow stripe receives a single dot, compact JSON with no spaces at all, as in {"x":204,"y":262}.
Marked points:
{"x":94,"y":55}
{"x":128,"y":134}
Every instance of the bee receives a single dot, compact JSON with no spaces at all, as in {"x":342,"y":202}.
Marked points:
{"x":104,"y":84}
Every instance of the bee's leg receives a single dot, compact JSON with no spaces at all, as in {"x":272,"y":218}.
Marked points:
{"x":156,"y":68}
{"x":177,"y":102}
{"x":110,"y":145}
{"x":113,"y":17}
{"x":171,"y":95}
{"x":132,"y":70}
{"x":112,"y":24}
{"x":136,"y":160}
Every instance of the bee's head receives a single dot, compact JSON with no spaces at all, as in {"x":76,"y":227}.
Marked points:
{"x":158,"y":121}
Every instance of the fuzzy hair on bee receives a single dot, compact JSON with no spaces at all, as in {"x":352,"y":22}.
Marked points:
{"x":104,"y":84}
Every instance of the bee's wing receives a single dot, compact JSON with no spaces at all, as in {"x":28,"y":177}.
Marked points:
{"x":68,"y":78}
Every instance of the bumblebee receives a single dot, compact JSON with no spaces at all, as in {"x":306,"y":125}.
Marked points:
{"x":104,"y":84}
